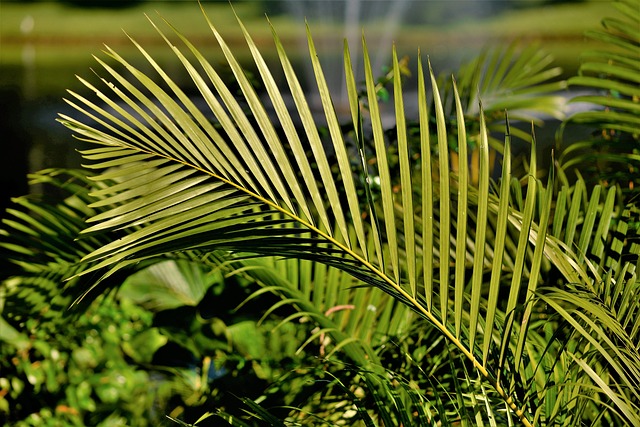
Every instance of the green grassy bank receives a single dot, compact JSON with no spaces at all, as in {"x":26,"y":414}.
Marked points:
{"x":57,"y":38}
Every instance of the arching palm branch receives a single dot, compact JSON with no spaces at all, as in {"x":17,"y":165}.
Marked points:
{"x":468,"y":259}
{"x":516,"y":79}
{"x":611,"y":77}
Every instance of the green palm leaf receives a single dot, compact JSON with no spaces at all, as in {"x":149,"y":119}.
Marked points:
{"x":611,"y":76}
{"x":237,"y":186}
{"x":38,"y":239}
{"x":497,"y":72}
{"x":516,"y":79}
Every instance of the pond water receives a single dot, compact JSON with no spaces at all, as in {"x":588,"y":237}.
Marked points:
{"x":35,"y":73}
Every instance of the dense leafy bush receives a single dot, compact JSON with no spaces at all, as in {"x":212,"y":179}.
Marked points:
{"x":79,"y":371}
{"x":322,"y":273}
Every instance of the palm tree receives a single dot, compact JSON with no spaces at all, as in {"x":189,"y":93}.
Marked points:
{"x":529,"y":285}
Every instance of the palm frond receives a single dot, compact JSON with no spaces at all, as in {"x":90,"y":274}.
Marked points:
{"x":610,"y":75}
{"x":38,"y":240}
{"x":245,"y":189}
{"x":517,"y":79}
{"x":520,"y":74}
{"x":613,"y":72}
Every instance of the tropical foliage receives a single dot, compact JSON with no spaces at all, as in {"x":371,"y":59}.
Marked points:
{"x":408,"y":276}
{"x":612,"y":76}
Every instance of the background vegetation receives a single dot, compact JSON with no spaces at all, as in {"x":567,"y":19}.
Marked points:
{"x":417,"y":274}
{"x":45,"y":44}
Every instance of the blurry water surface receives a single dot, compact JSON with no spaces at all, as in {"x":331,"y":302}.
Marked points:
{"x":43,"y":47}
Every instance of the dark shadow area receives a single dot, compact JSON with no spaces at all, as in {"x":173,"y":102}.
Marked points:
{"x":15,"y":147}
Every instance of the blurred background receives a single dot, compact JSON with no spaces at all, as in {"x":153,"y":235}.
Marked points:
{"x":44,"y":45}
